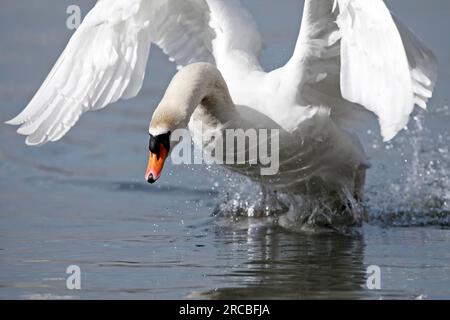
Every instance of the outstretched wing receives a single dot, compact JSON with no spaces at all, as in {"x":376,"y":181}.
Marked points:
{"x":353,"y":53}
{"x":106,"y":58}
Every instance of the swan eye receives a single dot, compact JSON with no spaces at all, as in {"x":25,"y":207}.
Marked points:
{"x":153,"y":146}
{"x":156,"y":142}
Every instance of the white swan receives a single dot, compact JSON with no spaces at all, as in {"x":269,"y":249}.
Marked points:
{"x":351,"y":57}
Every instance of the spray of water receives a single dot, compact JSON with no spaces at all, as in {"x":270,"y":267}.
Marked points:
{"x":247,"y":204}
{"x":408,"y":185}
{"x":420,"y":196}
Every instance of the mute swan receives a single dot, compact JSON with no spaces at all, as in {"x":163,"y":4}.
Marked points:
{"x":316,"y":156}
{"x":352,"y":57}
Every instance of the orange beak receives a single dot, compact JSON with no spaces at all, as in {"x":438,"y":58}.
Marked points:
{"x":156,"y":164}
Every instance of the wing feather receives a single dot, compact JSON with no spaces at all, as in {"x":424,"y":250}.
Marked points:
{"x":94,"y":70}
{"x":106,"y":58}
{"x":379,"y":65}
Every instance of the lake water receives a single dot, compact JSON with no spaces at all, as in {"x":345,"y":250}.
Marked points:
{"x":82,"y":201}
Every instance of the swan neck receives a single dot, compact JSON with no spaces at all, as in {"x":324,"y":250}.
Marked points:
{"x":199,"y":85}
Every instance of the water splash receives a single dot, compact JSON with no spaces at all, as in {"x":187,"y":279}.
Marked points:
{"x":409,"y":186}
{"x":247,"y":204}
{"x":421,"y":194}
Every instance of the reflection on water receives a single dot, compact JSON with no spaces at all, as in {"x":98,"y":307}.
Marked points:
{"x":289,"y":265}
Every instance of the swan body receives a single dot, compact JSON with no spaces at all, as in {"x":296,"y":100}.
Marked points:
{"x":315,"y":157}
{"x":352,"y":58}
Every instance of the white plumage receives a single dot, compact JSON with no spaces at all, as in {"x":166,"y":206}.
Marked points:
{"x":348,"y":51}
{"x":351,"y":57}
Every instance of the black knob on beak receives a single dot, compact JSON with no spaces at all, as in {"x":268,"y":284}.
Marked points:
{"x":150,"y":178}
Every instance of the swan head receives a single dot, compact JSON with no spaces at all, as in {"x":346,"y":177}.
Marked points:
{"x":186,"y":91}
{"x":159,"y":148}
{"x":166,"y":119}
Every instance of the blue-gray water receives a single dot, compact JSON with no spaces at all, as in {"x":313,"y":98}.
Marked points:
{"x":82,"y":201}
